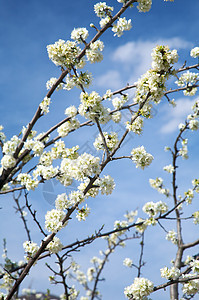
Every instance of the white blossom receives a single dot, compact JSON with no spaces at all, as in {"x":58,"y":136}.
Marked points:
{"x":30,"y":248}
{"x":104,"y":21}
{"x":127,"y":262}
{"x":63,"y":53}
{"x":51,"y":82}
{"x":116,"y":116}
{"x":195,"y":52}
{"x":107,"y":185}
{"x":83,"y":213}
{"x":71,"y":111}
{"x":8,"y":161}
{"x":102,"y":9}
{"x":141,"y":158}
{"x":136,"y":126}
{"x":171,"y":273}
{"x":189,"y":196}
{"x":54,"y":220}
{"x":140,"y":288}
{"x":62,"y":202}
{"x":94,"y":54}
{"x":188,"y":79}
{"x":79,"y":34}
{"x":191,"y":287}
{"x":193,"y":124}
{"x":90,"y":273}
{"x":144,"y":5}
{"x":119,"y":102}
{"x":152,"y":208}
{"x":92,"y":108}
{"x":121,"y":26}
{"x":196,"y":217}
{"x":44,"y":105}
{"x":110,"y":138}
{"x":55,"y":245}
{"x":10,"y":146}
{"x":169,"y":169}
{"x":68,"y":126}
{"x":26,"y":180}
{"x":172,"y":236}
{"x":84,"y":166}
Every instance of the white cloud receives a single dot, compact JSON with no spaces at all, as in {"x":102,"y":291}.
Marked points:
{"x":110,"y":79}
{"x":136,"y":56}
{"x":132,"y":52}
{"x":174,"y":116}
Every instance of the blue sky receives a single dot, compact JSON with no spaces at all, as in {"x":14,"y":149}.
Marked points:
{"x":26,"y":28}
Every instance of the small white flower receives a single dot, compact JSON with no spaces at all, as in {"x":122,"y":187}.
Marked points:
{"x":169,"y":169}
{"x":127,"y":262}
{"x":141,"y":158}
{"x":195,"y":52}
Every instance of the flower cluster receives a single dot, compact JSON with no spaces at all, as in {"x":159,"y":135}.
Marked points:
{"x":158,"y":185}
{"x":79,"y":34}
{"x":171,"y":273}
{"x":188,"y":80}
{"x":54,"y":220}
{"x":170,"y":169}
{"x":10,"y":146}
{"x":136,"y":126}
{"x":116,"y":116}
{"x":71,"y":111}
{"x":102,"y":9}
{"x":128,"y":262}
{"x":151,"y":85}
{"x":2,"y":135}
{"x":196,"y":217}
{"x":110,"y":138}
{"x":27,"y":181}
{"x":194,"y":264}
{"x":45,"y":172}
{"x":191,"y":287}
{"x":163,"y":58}
{"x":51,"y":82}
{"x":30,"y":248}
{"x":64,"y":53}
{"x":184,"y":150}
{"x":84,"y":79}
{"x":195,"y":52}
{"x":44,"y":105}
{"x":92,"y":108}
{"x":140,"y":288}
{"x":152,"y":208}
{"x":106,"y":184}
{"x":144,"y":5}
{"x":68,"y":126}
{"x":8,"y":161}
{"x":83,"y":213}
{"x":7,"y":284}
{"x":35,"y":145}
{"x":94,"y":54}
{"x":189,"y":196}
{"x":121,"y":26}
{"x":84,"y":166}
{"x":55,"y":245}
{"x":104,"y":21}
{"x":119,"y":102}
{"x":193,"y":124}
{"x":141,"y":158}
{"x":172,"y":236}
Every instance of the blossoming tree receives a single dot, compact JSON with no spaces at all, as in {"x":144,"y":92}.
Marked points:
{"x":33,"y":158}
